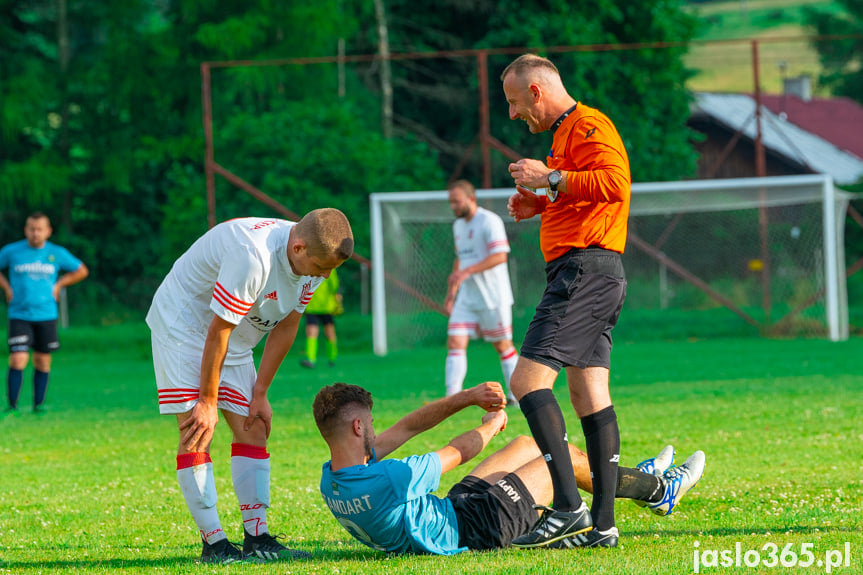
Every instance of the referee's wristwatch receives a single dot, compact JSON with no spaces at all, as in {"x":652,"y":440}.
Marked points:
{"x":554,"y":179}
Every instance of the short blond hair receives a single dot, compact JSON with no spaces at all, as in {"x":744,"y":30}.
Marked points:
{"x":327,"y":233}
{"x":529,"y":63}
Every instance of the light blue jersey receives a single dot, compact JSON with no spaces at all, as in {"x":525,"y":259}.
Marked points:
{"x":388,"y":505}
{"x":32,"y":275}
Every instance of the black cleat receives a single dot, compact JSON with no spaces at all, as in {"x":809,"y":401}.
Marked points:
{"x":268,"y":548}
{"x":555,"y":525}
{"x":222,"y":552}
{"x":592,"y":538}
{"x":307,"y":364}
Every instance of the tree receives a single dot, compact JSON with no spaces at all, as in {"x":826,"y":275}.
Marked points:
{"x":642,"y":90}
{"x":840,"y":58}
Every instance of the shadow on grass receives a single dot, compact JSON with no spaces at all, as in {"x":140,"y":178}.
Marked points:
{"x":107,"y":565}
{"x":321,"y":551}
{"x":754,"y":530}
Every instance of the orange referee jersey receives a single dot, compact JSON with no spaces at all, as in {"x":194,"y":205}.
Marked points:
{"x":595,"y":208}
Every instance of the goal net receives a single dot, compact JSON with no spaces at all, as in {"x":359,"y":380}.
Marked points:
{"x":708,"y":258}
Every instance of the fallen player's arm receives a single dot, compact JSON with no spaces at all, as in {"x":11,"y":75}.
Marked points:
{"x":468,"y":445}
{"x":488,"y":395}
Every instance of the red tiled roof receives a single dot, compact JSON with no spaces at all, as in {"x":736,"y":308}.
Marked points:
{"x":837,"y":120}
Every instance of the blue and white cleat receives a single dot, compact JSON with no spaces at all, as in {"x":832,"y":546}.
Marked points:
{"x":678,"y":481}
{"x":659,"y":464}
{"x":656,"y":466}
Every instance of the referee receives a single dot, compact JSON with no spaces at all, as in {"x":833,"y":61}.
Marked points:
{"x":583,"y":232}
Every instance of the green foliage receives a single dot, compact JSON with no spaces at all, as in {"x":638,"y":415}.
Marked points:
{"x":110,"y":145}
{"x":841,"y":58}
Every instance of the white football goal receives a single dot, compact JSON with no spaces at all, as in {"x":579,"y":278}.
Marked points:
{"x":705,"y":258}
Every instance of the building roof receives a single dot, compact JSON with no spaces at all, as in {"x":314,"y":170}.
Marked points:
{"x":837,"y":120}
{"x":812,"y":152}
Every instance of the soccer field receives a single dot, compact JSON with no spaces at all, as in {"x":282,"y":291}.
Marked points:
{"x":91,"y":485}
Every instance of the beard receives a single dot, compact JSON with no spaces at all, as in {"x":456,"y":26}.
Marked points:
{"x":368,"y":443}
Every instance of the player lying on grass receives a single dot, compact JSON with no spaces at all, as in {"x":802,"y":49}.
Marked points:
{"x":388,"y":504}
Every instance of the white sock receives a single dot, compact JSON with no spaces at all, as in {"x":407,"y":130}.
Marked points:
{"x":508,"y":360}
{"x":250,"y":470}
{"x":198,"y":486}
{"x":456,"y":370}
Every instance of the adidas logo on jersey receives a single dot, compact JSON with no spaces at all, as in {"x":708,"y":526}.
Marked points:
{"x":272,"y":295}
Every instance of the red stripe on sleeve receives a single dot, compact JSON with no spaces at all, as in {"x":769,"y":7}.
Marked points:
{"x":192,"y":459}
{"x":229,"y":302}
{"x":251,"y":451}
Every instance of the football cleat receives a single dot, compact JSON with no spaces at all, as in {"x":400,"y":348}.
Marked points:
{"x":222,"y":552}
{"x":555,"y":525}
{"x":308,"y":364}
{"x":678,"y":481}
{"x":656,"y":466}
{"x":592,"y":538}
{"x":268,"y":548}
{"x":659,"y":464}
{"x":10,"y":412}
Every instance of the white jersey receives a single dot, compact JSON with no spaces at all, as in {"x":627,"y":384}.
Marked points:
{"x":475,"y":240}
{"x":238,"y":270}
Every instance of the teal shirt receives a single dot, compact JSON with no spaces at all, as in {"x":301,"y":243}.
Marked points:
{"x":388,"y":505}
{"x":32,"y":275}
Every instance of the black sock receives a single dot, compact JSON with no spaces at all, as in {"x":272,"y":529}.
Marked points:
{"x":13,"y":386}
{"x":635,"y":484}
{"x":40,"y":384}
{"x":602,"y":444}
{"x":546,"y":423}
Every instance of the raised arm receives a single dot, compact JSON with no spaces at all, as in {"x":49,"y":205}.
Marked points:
{"x":488,"y":395}
{"x":468,"y":445}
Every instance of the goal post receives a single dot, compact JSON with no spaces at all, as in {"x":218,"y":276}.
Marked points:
{"x":704,"y":258}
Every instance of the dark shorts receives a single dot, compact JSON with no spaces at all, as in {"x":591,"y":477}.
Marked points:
{"x":319,"y":319}
{"x":490,"y":516}
{"x":579,"y":308}
{"x":41,"y":336}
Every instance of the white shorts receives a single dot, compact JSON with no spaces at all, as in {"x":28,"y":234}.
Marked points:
{"x":178,"y":379}
{"x":492,"y":324}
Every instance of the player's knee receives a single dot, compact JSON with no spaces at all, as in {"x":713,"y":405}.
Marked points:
{"x":18,"y":360}
{"x":523,"y":442}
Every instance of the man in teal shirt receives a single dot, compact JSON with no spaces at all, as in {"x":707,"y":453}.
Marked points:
{"x":389,"y":505}
{"x":32,"y":291}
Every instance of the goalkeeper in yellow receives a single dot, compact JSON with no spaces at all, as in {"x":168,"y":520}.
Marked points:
{"x":325,"y":304}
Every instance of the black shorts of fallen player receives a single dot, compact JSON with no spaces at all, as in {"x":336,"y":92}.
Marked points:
{"x":490,"y":516}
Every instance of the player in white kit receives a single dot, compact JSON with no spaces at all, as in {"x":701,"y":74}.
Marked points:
{"x":479,"y":297}
{"x":242,"y":280}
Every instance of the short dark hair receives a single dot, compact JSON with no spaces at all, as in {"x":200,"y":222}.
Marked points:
{"x":334,"y":401}
{"x":39,"y":216}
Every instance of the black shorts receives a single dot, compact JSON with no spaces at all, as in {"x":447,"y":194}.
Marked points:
{"x":319,"y":318}
{"x":579,"y":308}
{"x":41,"y":336}
{"x":490,"y":516}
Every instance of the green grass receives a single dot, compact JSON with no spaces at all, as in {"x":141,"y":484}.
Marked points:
{"x":91,"y":485}
{"x":728,"y":67}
